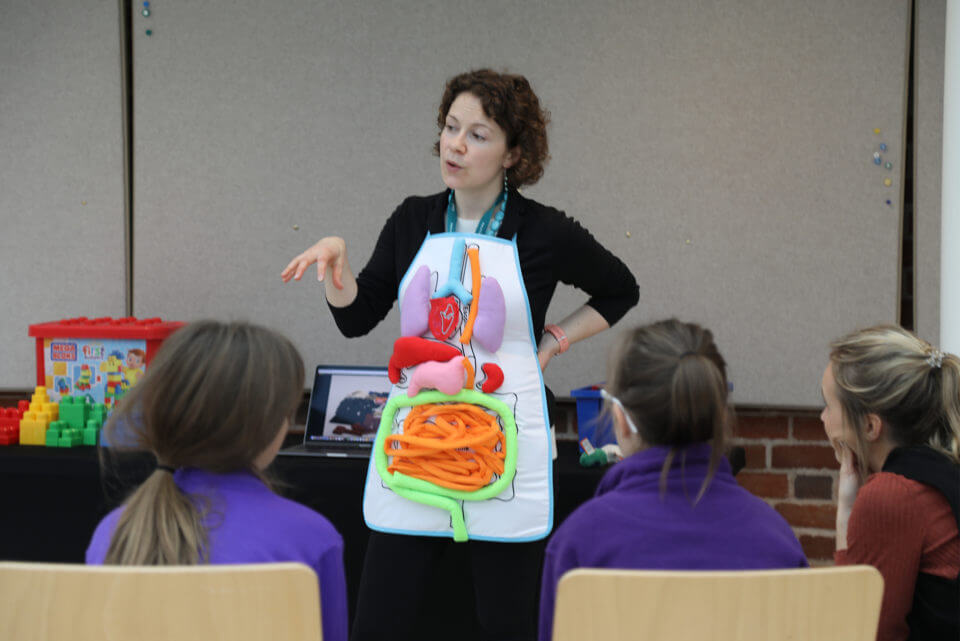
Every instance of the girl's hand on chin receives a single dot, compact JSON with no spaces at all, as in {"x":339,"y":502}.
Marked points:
{"x":849,"y":482}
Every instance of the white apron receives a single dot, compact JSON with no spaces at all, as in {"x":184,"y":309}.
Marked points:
{"x":517,"y":506}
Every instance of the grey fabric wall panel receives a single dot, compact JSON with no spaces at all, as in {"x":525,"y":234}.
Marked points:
{"x":732,"y":140}
{"x":928,"y":169}
{"x":61,"y":171}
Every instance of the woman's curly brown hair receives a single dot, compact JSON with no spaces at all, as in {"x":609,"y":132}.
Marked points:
{"x":509,"y":100}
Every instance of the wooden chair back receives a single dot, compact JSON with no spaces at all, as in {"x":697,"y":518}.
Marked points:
{"x":55,"y":602}
{"x":841,"y":603}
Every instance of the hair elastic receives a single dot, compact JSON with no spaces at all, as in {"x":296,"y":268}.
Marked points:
{"x":166,"y":468}
{"x":935,"y":358}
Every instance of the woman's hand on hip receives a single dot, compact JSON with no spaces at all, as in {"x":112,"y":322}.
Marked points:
{"x":548,"y":348}
{"x":328,"y":252}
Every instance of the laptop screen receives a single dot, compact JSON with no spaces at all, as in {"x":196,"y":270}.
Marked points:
{"x":346,"y":404}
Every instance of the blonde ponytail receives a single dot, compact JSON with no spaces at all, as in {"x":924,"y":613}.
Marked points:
{"x":947,"y":435}
{"x":159,"y":525}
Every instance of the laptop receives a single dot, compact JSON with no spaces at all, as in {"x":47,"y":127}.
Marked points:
{"x":346,"y":404}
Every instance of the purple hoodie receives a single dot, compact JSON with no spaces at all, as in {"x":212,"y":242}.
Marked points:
{"x":248,"y":523}
{"x":628,"y":525}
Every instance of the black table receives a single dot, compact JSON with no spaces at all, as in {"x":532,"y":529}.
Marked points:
{"x":52,"y":499}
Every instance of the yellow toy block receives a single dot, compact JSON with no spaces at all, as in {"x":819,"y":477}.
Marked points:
{"x":59,"y":368}
{"x":33,"y":428}
{"x":39,"y":396}
{"x":53,"y":410}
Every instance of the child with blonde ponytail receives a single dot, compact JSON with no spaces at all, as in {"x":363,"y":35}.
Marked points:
{"x":213,"y":408}
{"x":892,"y":413}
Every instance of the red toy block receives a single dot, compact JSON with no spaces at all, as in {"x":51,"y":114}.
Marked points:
{"x":10,"y":423}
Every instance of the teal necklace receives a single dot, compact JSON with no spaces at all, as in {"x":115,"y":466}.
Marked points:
{"x":492,"y":219}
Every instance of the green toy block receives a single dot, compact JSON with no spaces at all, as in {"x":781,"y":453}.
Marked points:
{"x":69,"y":437}
{"x":91,"y":433}
{"x":53,"y":433}
{"x":91,"y":436}
{"x":75,"y":410}
{"x":98,"y":412}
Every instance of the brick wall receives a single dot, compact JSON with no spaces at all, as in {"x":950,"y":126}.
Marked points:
{"x":790,"y":465}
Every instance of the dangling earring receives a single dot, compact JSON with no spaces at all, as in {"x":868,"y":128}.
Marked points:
{"x":506,"y":187}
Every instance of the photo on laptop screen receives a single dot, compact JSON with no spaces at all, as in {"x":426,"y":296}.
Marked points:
{"x":346,"y":404}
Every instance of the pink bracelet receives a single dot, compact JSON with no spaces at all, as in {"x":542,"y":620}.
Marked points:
{"x":560,"y":336}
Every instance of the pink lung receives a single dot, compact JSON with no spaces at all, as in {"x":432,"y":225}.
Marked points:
{"x":415,"y":308}
{"x":491,"y":315}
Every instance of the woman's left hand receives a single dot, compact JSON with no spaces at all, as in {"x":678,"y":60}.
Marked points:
{"x":548,"y":348}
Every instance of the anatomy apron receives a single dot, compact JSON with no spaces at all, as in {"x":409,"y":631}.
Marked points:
{"x":463,"y":448}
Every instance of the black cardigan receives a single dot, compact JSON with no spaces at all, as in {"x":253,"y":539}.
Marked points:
{"x":552,"y":248}
{"x":935,"y":615}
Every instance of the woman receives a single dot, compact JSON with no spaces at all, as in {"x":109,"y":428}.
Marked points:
{"x":672,"y":502}
{"x":492,"y":141}
{"x":892,"y":412}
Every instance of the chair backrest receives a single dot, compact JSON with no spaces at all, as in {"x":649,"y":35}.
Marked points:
{"x":40,"y":601}
{"x":823,"y":604}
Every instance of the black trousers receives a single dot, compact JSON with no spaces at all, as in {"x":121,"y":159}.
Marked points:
{"x":408,"y":583}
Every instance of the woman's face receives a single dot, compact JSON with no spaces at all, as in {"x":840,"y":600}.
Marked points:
{"x":832,"y":414}
{"x":473,"y":148}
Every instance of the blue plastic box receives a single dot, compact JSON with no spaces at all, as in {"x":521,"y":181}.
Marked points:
{"x":589,"y":423}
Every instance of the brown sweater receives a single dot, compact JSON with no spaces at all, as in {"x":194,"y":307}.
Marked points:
{"x":902,"y":528}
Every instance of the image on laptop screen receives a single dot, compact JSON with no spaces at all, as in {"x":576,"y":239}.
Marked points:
{"x":346,"y":404}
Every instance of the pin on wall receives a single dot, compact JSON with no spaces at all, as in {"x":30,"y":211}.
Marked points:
{"x":145,"y":12}
{"x":879,"y":161}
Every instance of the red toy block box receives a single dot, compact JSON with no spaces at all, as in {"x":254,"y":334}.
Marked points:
{"x":96,"y":358}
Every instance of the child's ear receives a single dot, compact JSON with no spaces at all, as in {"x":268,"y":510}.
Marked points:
{"x":873,"y":428}
{"x":620,"y":424}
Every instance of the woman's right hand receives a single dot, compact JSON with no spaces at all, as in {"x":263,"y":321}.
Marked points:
{"x":848,"y":485}
{"x":849,"y":480}
{"x":328,"y":252}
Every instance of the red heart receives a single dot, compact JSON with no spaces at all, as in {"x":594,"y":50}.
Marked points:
{"x":444,"y":316}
